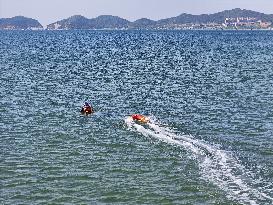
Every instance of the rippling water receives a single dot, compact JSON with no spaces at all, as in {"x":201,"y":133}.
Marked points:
{"x":209,"y":96}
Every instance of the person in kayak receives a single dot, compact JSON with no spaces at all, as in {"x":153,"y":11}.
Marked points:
{"x":87,"y":109}
{"x":140,"y":118}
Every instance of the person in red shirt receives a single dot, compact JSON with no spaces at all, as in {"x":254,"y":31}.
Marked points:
{"x":87,"y":109}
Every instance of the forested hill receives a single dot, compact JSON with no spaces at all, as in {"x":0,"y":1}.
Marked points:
{"x":248,"y":18}
{"x":19,"y":23}
{"x":115,"y":22}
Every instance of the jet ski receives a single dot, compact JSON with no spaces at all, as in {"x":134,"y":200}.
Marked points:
{"x":140,"y":118}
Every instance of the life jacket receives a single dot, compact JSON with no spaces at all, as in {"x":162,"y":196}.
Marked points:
{"x":87,"y":109}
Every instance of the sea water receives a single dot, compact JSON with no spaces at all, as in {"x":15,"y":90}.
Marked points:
{"x":209,"y":95}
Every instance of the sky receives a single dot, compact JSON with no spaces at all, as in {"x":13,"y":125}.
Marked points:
{"x":49,"y":11}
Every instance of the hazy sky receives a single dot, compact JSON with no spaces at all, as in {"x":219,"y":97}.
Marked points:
{"x":49,"y":11}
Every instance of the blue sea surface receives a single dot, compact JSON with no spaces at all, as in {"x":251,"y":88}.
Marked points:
{"x":208,"y":94}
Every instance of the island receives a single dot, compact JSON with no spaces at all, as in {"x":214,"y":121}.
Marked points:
{"x":19,"y":23}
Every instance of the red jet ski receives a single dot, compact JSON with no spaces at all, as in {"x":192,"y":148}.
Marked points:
{"x":140,"y":118}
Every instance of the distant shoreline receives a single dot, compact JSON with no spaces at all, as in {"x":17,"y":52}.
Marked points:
{"x":235,"y":19}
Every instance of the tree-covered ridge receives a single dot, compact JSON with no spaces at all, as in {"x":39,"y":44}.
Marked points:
{"x":19,"y":22}
{"x":80,"y":22}
{"x":115,"y":22}
{"x":235,"y":18}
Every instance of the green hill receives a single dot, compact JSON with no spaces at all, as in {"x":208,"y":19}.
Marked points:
{"x":19,"y":22}
{"x":115,"y":22}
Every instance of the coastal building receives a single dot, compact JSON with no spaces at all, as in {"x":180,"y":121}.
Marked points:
{"x":245,"y":23}
{"x":264,"y":25}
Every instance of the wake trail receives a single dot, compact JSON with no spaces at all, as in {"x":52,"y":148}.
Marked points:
{"x":216,"y":166}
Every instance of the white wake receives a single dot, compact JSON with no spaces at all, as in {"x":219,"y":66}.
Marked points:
{"x":216,"y":166}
